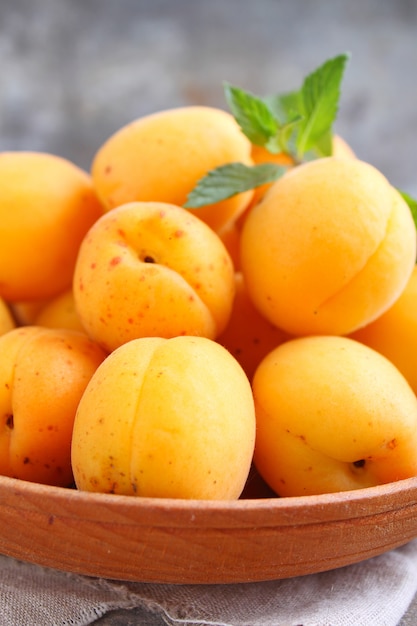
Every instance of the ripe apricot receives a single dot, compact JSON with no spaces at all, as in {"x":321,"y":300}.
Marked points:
{"x":60,"y":312}
{"x":43,"y":373}
{"x":332,"y":415}
{"x":249,"y":336}
{"x":47,"y":205}
{"x":394,"y":333}
{"x":329,"y":248}
{"x":160,"y":157}
{"x":166,"y":418}
{"x":152,"y":269}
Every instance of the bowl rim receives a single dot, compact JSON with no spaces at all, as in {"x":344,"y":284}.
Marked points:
{"x":309,"y":509}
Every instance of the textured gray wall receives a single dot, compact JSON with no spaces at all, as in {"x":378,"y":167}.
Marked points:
{"x":74,"y":71}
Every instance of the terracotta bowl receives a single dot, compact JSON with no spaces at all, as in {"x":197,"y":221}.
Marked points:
{"x":178,"y":541}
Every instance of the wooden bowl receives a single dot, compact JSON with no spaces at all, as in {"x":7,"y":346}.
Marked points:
{"x":179,"y":541}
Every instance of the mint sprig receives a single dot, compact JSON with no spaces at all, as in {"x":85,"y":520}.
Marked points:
{"x":298,"y":123}
{"x":228,"y":180}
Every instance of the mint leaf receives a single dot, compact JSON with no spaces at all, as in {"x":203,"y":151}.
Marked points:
{"x":285,"y":106}
{"x":228,"y":180}
{"x":252,"y":114}
{"x":319,"y":102}
{"x":296,"y":122}
{"x":324,"y":145}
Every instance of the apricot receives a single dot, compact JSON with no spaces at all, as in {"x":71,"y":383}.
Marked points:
{"x":43,"y":374}
{"x":160,"y":158}
{"x":329,"y":248}
{"x":60,"y":312}
{"x":152,"y":269}
{"x":47,"y":205}
{"x":332,"y":415}
{"x":6,"y":318}
{"x":249,"y":336}
{"x":394,"y":333}
{"x":166,"y":418}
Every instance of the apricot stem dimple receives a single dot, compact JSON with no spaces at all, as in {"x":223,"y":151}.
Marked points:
{"x":359,"y":463}
{"x":10,"y":421}
{"x":149,"y":259}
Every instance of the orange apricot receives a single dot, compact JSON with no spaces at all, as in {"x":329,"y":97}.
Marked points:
{"x":166,"y":418}
{"x":332,"y":415}
{"x":152,"y":269}
{"x":160,"y":158}
{"x":329,"y":248}
{"x":394,"y":333}
{"x":60,"y":312}
{"x":47,"y":205}
{"x":43,"y":374}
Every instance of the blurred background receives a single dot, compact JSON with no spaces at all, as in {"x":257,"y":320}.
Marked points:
{"x":74,"y":71}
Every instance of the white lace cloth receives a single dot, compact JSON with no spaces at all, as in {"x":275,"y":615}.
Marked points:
{"x":376,"y":592}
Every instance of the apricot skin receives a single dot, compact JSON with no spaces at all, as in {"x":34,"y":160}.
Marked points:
{"x":60,"y":312}
{"x":166,"y":418}
{"x":47,"y":204}
{"x":43,"y":373}
{"x":394,"y":333}
{"x":152,"y":269}
{"x":161,"y":157}
{"x":329,"y":248}
{"x":332,"y":415}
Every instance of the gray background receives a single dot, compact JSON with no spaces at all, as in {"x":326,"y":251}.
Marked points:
{"x":74,"y":71}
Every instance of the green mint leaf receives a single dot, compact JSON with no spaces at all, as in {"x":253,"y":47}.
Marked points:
{"x":285,"y":106}
{"x":252,"y":114}
{"x":324,"y":145}
{"x":322,"y":148}
{"x":319,"y":99}
{"x":228,"y":180}
{"x":285,"y":140}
